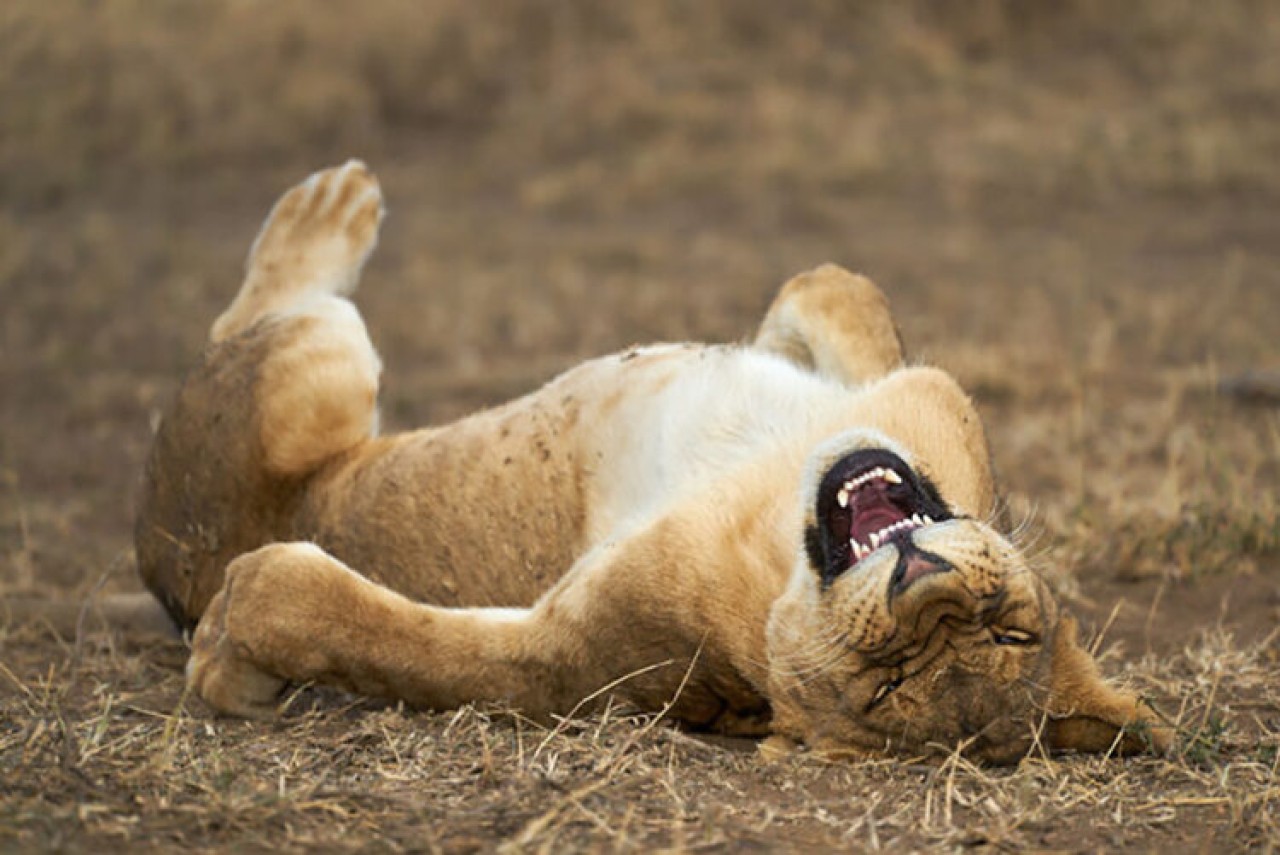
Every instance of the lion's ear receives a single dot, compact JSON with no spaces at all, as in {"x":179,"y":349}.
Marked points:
{"x":1085,"y":714}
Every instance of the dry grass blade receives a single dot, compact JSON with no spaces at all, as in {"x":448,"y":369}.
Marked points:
{"x":586,"y":702}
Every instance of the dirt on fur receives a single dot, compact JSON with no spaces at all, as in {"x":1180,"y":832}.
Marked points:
{"x":1072,"y":206}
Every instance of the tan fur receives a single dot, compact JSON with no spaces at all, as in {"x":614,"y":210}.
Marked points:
{"x":636,"y":528}
{"x":834,"y":322}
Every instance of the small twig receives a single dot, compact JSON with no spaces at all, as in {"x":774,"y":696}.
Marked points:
{"x":607,"y":687}
{"x":1204,"y":719}
{"x":684,"y":681}
{"x":1151,"y":612}
{"x":1097,"y":641}
{"x":540,"y":823}
{"x":13,"y":678}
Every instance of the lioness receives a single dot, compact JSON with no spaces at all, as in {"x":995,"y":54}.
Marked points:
{"x":795,"y":537}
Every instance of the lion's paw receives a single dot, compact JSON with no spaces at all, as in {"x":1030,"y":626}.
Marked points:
{"x":223,"y":675}
{"x":223,"y":669}
{"x":314,"y":242}
{"x":267,"y":627}
{"x":323,"y":229}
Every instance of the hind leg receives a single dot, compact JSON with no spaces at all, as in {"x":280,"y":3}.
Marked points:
{"x":317,"y":384}
{"x":836,"y":323}
{"x":289,"y":382}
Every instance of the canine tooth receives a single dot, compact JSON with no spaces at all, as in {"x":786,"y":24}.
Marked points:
{"x":892,"y":477}
{"x":843,"y":498}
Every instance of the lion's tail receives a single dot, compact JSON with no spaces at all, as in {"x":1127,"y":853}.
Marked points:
{"x":134,"y":614}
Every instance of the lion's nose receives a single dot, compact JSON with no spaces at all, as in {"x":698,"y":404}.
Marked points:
{"x":913,"y":565}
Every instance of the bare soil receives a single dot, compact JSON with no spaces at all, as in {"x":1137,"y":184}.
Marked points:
{"x":1072,"y":206}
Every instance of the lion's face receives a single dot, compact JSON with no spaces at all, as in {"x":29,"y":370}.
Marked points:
{"x":912,"y":626}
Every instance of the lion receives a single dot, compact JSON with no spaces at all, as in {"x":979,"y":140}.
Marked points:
{"x":795,"y":537}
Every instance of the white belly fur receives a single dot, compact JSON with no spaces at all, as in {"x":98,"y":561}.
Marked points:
{"x":722,"y":408}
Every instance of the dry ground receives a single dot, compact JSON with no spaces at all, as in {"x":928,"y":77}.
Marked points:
{"x":1073,"y":206}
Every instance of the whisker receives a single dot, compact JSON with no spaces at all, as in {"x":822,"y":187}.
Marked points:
{"x":815,"y":657}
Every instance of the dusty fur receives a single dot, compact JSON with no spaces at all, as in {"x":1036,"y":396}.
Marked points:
{"x":644,"y":522}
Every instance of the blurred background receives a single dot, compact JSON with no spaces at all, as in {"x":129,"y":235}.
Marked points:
{"x":1072,"y":205}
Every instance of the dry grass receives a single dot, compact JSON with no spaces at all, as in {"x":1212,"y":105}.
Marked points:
{"x":1072,"y":207}
{"x":104,"y":754}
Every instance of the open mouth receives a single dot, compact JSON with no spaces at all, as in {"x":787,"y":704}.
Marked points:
{"x":867,"y":500}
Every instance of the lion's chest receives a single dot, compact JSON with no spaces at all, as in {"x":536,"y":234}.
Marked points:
{"x":682,"y":428}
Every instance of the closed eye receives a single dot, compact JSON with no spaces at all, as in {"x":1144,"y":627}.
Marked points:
{"x":885,"y":690}
{"x":1015,"y":637}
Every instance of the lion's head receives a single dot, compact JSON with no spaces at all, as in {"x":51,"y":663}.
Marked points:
{"x":911,"y":624}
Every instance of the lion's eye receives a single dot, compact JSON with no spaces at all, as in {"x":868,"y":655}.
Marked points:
{"x":885,"y":690}
{"x":1018,"y":637}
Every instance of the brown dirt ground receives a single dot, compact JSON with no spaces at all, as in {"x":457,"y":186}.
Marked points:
{"x":1073,"y":207}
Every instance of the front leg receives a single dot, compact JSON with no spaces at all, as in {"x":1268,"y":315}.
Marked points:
{"x":289,"y":612}
{"x":616,"y":622}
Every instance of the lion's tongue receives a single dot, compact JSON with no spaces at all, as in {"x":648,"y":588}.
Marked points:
{"x":872,"y":511}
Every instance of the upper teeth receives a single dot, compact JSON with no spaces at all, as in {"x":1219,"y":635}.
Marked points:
{"x":880,"y":472}
{"x":879,"y":538}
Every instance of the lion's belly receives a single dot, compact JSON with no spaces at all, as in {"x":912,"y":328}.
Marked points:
{"x":680,"y":433}
{"x":492,"y":510}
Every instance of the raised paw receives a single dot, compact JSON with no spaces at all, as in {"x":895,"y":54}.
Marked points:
{"x":834,"y":322}
{"x":314,"y":242}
